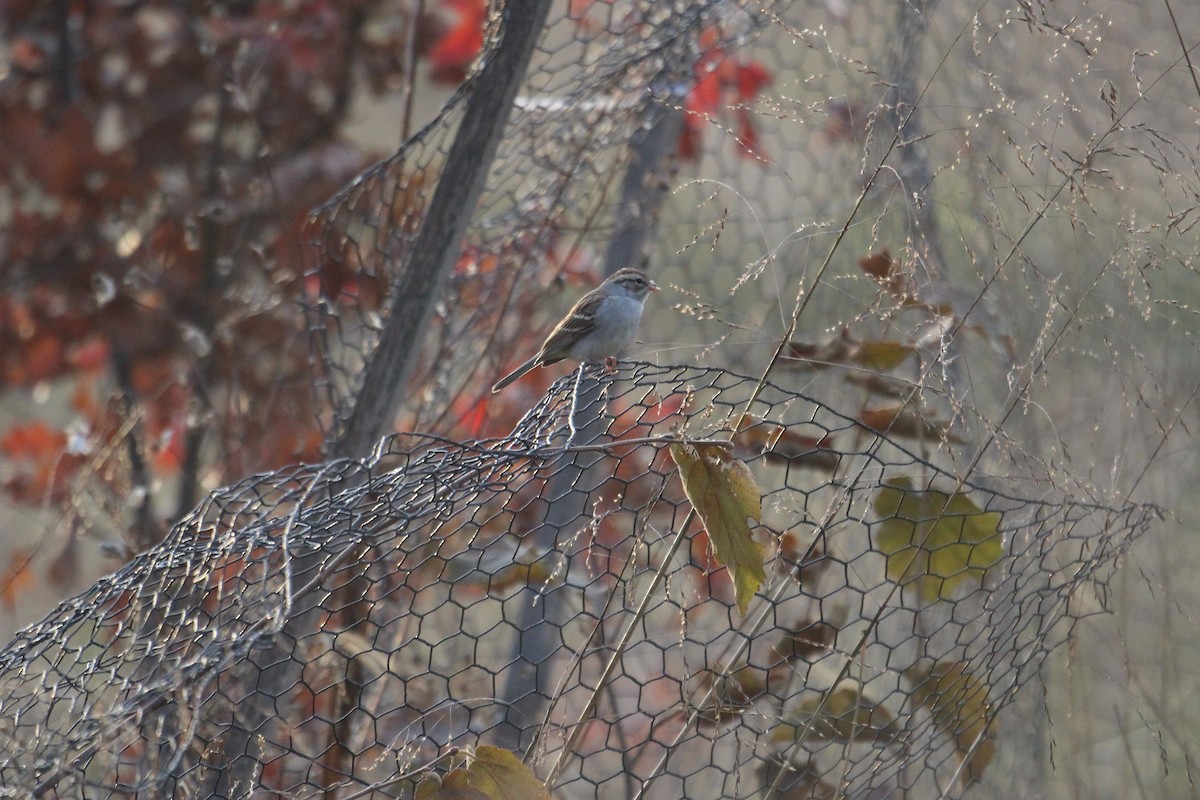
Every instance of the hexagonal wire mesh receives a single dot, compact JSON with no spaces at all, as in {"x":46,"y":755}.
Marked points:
{"x":338,"y":624}
{"x":221,"y":661}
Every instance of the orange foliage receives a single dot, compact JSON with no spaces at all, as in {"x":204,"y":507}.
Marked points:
{"x":42,"y":465}
{"x":156,"y":296}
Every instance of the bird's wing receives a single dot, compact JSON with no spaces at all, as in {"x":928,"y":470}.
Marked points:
{"x":579,"y":322}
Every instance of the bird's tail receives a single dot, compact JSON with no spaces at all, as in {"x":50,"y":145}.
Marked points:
{"x":516,"y":373}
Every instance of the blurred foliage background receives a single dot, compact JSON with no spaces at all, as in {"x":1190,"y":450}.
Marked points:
{"x":981,"y":211}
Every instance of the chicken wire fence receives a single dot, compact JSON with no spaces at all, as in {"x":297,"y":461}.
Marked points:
{"x":644,"y":133}
{"x":336,"y":629}
{"x":337,"y":625}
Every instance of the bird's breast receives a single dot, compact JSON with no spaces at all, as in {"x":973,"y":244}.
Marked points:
{"x":616,"y":328}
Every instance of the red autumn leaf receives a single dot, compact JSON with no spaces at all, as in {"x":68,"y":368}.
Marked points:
{"x":460,"y":41}
{"x":471,"y":416}
{"x":33,"y":441}
{"x":845,"y":349}
{"x":302,"y":442}
{"x":705,"y":97}
{"x":689,"y":140}
{"x":723,"y":80}
{"x":38,"y":453}
{"x":900,"y":420}
{"x":303,"y":39}
{"x":168,"y":449}
{"x":751,"y":78}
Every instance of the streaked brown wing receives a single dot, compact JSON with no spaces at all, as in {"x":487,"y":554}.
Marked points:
{"x":578,"y":322}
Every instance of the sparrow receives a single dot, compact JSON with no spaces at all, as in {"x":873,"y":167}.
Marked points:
{"x":603,"y":323}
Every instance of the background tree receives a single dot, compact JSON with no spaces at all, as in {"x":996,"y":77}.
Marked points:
{"x":160,"y":164}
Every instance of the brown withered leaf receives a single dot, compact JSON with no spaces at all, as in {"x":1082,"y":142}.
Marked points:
{"x":809,"y":355}
{"x":847,"y":350}
{"x":881,"y":384}
{"x":806,"y":560}
{"x":845,"y":121}
{"x":810,"y":639}
{"x":888,"y":273}
{"x":781,"y":444}
{"x":902,"y":420}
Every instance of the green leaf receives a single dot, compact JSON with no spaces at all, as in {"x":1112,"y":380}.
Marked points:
{"x":957,"y":700}
{"x":941,"y":542}
{"x":724,"y":493}
{"x":499,"y":775}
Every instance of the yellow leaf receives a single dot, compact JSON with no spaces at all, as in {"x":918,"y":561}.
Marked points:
{"x":454,"y":794}
{"x":499,"y":775}
{"x":724,"y":493}
{"x":958,"y":702}
{"x":882,"y":354}
{"x":941,"y":542}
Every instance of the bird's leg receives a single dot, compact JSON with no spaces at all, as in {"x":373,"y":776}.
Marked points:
{"x":610,"y":364}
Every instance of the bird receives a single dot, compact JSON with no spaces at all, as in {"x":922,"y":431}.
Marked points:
{"x":600,"y":325}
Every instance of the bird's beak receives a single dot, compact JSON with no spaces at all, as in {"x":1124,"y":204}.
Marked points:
{"x":654,"y":287}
